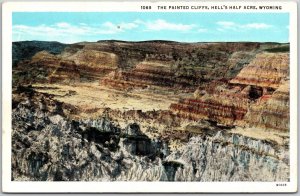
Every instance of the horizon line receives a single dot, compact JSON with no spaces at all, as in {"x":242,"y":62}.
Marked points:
{"x":155,"y":40}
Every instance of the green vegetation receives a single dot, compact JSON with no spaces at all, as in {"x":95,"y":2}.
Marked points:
{"x":279,"y":49}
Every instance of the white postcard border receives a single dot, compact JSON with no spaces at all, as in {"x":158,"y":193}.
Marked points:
{"x":138,"y":187}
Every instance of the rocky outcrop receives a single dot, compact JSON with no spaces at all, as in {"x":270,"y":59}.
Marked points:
{"x":220,"y":103}
{"x":177,"y":65}
{"x":148,"y":74}
{"x":229,"y":158}
{"x":269,"y":74}
{"x":137,"y":143}
{"x":247,"y":93}
{"x":272,"y":111}
{"x":44,"y":68}
{"x":92,"y":64}
{"x":66,"y":68}
{"x":238,"y":105}
{"x":48,"y":146}
{"x":237,"y":61}
{"x":266,"y":70}
{"x":91,"y":58}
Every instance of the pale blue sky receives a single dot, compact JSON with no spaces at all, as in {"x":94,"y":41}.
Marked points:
{"x":70,"y":27}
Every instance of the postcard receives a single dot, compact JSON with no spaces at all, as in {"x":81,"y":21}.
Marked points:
{"x":149,"y":97}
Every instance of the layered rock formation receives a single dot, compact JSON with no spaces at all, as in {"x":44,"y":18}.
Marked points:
{"x":92,"y":64}
{"x":67,"y":67}
{"x":270,"y":72}
{"x":260,"y":90}
{"x":223,"y":105}
{"x":49,"y":146}
{"x":45,"y":67}
{"x":150,"y":111}
{"x":177,"y":65}
{"x":272,"y":111}
{"x":147,"y":74}
{"x":185,"y":65}
{"x":266,"y":70}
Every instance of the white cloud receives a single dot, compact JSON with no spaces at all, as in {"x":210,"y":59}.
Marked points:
{"x":202,"y":30}
{"x":130,"y":25}
{"x":221,"y":29}
{"x":228,"y":25}
{"x":110,"y":28}
{"x":63,"y":25}
{"x":63,"y":31}
{"x":138,"y":21}
{"x":67,"y":29}
{"x":160,"y":24}
{"x":66,"y":32}
{"x":257,"y":26}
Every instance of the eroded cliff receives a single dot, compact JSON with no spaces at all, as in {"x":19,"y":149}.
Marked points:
{"x":151,"y":111}
{"x":49,"y":146}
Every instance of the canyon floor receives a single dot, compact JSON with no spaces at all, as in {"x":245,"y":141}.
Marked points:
{"x":150,"y":111}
